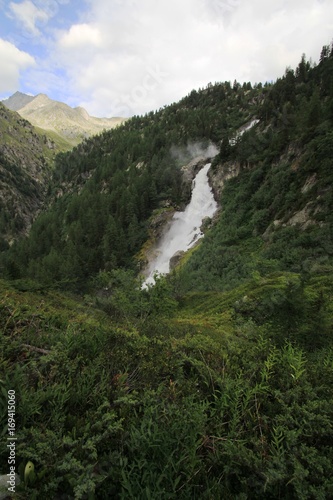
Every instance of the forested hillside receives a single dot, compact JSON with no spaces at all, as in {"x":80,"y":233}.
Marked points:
{"x":26,"y":158}
{"x":107,"y":187}
{"x":277,"y":213}
{"x":217,"y":381}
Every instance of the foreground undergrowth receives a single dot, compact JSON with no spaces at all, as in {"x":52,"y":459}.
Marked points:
{"x":228,"y":396}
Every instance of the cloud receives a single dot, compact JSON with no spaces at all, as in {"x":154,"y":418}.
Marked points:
{"x":110,"y":58}
{"x":125,"y":57}
{"x":12,"y":62}
{"x":80,"y":36}
{"x":140,"y":58}
{"x":28,"y":15}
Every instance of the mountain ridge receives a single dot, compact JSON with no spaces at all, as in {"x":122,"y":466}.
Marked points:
{"x":72,"y":124}
{"x":17,"y":101}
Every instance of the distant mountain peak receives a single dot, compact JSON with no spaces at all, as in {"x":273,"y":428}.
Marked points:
{"x":72,"y":124}
{"x":83,"y":112}
{"x":17,"y":101}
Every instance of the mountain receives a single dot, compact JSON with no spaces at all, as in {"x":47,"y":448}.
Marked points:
{"x":26,"y":162}
{"x":217,"y":381}
{"x":278,"y":184}
{"x":73,"y":125}
{"x":278,"y":168}
{"x":17,"y":101}
{"x":124,"y":175}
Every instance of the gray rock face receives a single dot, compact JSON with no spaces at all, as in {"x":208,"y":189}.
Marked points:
{"x":175,"y":259}
{"x":17,"y":101}
{"x":223,"y":173}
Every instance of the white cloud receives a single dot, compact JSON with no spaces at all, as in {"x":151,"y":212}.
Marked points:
{"x":12,"y":62}
{"x":28,"y":15}
{"x":131,"y":56}
{"x":80,"y":36}
{"x":185,"y":45}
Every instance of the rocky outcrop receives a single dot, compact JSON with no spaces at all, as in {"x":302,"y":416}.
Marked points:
{"x":157,"y":226}
{"x":175,"y":259}
{"x":309,"y":183}
{"x":190,"y":170}
{"x":302,"y":218}
{"x":208,"y":222}
{"x":220,"y":174}
{"x":158,"y":222}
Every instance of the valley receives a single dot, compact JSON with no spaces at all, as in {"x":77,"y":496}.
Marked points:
{"x":215,"y":381}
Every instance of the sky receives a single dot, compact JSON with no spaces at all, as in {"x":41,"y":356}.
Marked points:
{"x":129,"y":57}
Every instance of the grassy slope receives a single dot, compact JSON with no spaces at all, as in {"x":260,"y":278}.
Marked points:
{"x":228,"y":397}
{"x":61,"y":143}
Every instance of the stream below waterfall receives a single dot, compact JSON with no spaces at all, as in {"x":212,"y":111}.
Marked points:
{"x":184,"y":230}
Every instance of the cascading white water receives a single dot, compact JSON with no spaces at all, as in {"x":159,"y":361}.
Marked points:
{"x":184,"y":230}
{"x":241,"y":131}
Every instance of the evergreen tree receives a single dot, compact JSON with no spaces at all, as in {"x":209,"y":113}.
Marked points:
{"x":225,"y":148}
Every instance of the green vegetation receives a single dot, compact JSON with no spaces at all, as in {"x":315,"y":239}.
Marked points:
{"x":61,"y":144}
{"x":277,"y":213}
{"x":26,"y":162}
{"x":217,"y":381}
{"x":225,"y":395}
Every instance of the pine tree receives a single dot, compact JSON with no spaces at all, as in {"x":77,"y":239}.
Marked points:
{"x":133,"y":233}
{"x":325,"y":53}
{"x":302,"y":70}
{"x":225,"y":148}
{"x":110,"y":238}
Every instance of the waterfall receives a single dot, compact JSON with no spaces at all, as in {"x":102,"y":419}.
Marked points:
{"x":241,"y":131}
{"x":184,"y":230}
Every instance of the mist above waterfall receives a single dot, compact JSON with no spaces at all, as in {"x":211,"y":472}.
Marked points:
{"x":184,"y":154}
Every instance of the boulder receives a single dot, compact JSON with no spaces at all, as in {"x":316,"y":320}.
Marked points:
{"x":176,"y":258}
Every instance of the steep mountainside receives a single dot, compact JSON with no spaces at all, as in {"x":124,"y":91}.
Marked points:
{"x":106,"y":189}
{"x":73,"y":125}
{"x":275,"y":185}
{"x":26,"y":159}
